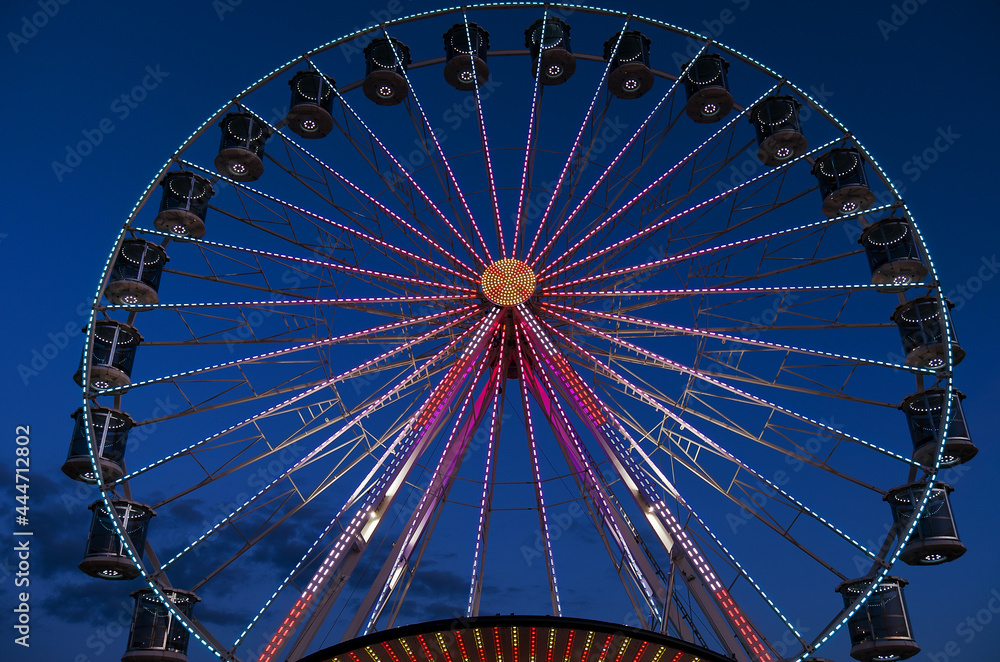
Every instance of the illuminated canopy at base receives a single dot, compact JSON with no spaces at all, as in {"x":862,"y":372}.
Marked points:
{"x":515,"y":639}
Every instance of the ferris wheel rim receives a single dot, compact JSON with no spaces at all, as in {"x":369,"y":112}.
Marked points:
{"x":144,"y":199}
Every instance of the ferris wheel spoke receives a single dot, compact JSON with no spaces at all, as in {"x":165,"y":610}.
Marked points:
{"x":664,"y":221}
{"x":372,"y":332}
{"x":714,"y":599}
{"x":653,"y":265}
{"x":685,"y":461}
{"x":283,"y":259}
{"x":487,"y":155}
{"x":387,"y":248}
{"x":662,"y":362}
{"x":408,"y":227}
{"x":642,"y":581}
{"x":606,"y":172}
{"x":485,"y":509}
{"x":355,"y":420}
{"x":470,"y":414}
{"x":704,"y":150}
{"x":705,"y":441}
{"x":413,"y":183}
{"x":576,"y":143}
{"x":359,"y":371}
{"x":422,"y":426}
{"x":653,"y":326}
{"x":390,"y":459}
{"x":524,"y":192}
{"x":368,"y":154}
{"x":543,"y":521}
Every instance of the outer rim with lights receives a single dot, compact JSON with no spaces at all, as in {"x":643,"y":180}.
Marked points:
{"x":837,"y":623}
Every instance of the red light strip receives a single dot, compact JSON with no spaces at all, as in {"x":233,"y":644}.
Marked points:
{"x":424,"y":647}
{"x":736,"y":616}
{"x":461,"y":647}
{"x":496,"y":644}
{"x":569,"y":646}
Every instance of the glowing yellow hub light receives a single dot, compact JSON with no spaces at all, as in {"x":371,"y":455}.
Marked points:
{"x":508,"y":282}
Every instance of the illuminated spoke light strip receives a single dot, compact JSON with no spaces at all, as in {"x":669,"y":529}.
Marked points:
{"x":539,"y":493}
{"x":684,"y":291}
{"x":670,"y":219}
{"x":664,"y":362}
{"x":268,"y":303}
{"x":432,"y":494}
{"x":484,"y":501}
{"x":447,"y":166}
{"x":732,"y":122}
{"x":315,"y":389}
{"x":615,"y":435}
{"x":532,"y":131}
{"x":305,"y":460}
{"x":750,"y":470}
{"x":388,"y":277}
{"x":664,"y":481}
{"x":585,"y":200}
{"x":576,"y":142}
{"x":289,"y":350}
{"x":364,"y":236}
{"x":686,"y":330}
{"x":408,"y":440}
{"x":426,"y":198}
{"x":681,"y":256}
{"x":486,"y":141}
{"x":590,"y":475}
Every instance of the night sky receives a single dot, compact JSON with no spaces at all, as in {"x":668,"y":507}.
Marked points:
{"x":914,"y":81}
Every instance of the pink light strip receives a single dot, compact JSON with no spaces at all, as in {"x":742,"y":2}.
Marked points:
{"x":483,"y":503}
{"x":345,"y":228}
{"x":527,"y":148}
{"x":674,"y":168}
{"x":435,"y":491}
{"x":447,"y":166}
{"x":539,"y":492}
{"x":333,"y":559}
{"x":468,"y":310}
{"x":486,"y":144}
{"x":676,"y":258}
{"x":667,"y":363}
{"x":621,"y":154}
{"x":576,"y":143}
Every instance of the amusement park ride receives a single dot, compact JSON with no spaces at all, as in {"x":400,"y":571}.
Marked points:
{"x":616,"y":283}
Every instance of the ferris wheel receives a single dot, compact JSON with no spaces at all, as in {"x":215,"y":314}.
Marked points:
{"x":625,"y":334}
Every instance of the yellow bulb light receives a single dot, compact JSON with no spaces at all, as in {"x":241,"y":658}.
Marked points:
{"x":508,"y":282}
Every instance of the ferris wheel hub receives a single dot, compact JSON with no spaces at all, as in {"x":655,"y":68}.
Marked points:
{"x":508,"y":282}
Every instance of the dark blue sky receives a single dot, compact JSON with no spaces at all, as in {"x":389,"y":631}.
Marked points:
{"x":913,"y":80}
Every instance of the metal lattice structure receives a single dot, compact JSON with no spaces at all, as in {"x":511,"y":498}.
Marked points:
{"x":456,"y":311}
